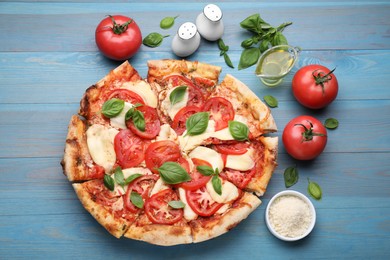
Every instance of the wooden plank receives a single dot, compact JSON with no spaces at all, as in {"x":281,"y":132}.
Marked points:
{"x":63,"y":77}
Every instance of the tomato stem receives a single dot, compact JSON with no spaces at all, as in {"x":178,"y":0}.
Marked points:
{"x":119,"y":28}
{"x":308,"y":134}
{"x":320,"y":79}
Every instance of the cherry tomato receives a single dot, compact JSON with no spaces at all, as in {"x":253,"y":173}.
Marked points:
{"x":159,"y":212}
{"x":315,"y":86}
{"x":160,"y":152}
{"x":126,"y":95}
{"x":304,"y":137}
{"x":221,"y":111}
{"x":233,"y":148}
{"x":118,"y":37}
{"x":129,"y":148}
{"x":201,"y":202}
{"x":152,"y":123}
{"x":142,"y":186}
{"x":179,"y":121}
{"x":198,"y":180}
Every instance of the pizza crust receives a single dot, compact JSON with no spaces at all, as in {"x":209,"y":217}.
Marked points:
{"x":216,"y":226}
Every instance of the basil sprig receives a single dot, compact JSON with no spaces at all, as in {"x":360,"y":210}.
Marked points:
{"x":137,"y":117}
{"x":173,"y":173}
{"x":224,"y":49}
{"x":215,"y":181}
{"x":314,"y":190}
{"x":238,"y":130}
{"x":153,"y":39}
{"x":177,"y":94}
{"x":113,"y":107}
{"x":291,"y":176}
{"x":197,"y":123}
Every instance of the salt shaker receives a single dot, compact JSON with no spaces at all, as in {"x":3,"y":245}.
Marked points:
{"x":209,"y":23}
{"x":186,"y":41}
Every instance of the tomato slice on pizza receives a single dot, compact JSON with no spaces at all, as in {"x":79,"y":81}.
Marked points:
{"x":160,"y":152}
{"x":141,"y":186}
{"x":129,"y":148}
{"x":221,"y":111}
{"x":150,"y":122}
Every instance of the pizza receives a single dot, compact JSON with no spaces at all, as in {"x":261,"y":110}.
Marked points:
{"x":175,"y":158}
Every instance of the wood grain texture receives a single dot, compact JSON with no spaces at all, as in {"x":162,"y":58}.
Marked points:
{"x":48,"y":58}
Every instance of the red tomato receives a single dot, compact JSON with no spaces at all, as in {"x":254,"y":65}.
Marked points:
{"x":179,"y":121}
{"x":234,"y":148}
{"x":142,"y":186}
{"x":97,"y":172}
{"x":238,"y":178}
{"x":221,"y":111}
{"x":304,"y":137}
{"x":315,"y":86}
{"x":129,"y":148}
{"x":126,"y":95}
{"x":118,"y":37}
{"x":184,"y":163}
{"x":152,"y":123}
{"x":195,"y":95}
{"x":201,"y":202}
{"x":160,"y":152}
{"x":197,"y":179}
{"x":158,"y":210}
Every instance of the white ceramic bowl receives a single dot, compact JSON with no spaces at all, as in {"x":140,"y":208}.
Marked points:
{"x":304,"y":198}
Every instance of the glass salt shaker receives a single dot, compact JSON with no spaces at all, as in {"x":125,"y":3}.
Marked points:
{"x":209,"y":23}
{"x":186,"y":41}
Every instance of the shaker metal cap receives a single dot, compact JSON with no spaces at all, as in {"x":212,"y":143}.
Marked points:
{"x":212,"y":12}
{"x":187,"y":31}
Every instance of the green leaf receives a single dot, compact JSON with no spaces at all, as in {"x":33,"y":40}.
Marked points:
{"x":132,"y":178}
{"x":205,"y":170}
{"x":136,"y":199}
{"x":222,"y":46}
{"x":153,"y":39}
{"x":109,"y":182}
{"x":228,"y":61}
{"x":173,"y":173}
{"x":119,"y":177}
{"x":252,"y":23}
{"x":249,"y":57}
{"x":197,"y":123}
{"x":113,"y":107}
{"x":137,"y":117}
{"x":314,"y":190}
{"x":217,"y":184}
{"x":331,"y":123}
{"x":271,"y":101}
{"x":247,"y":43}
{"x":238,"y":130}
{"x":176,"y":204}
{"x":167,"y":22}
{"x":291,"y":176}
{"x":279,"y":39}
{"x":264,"y":45}
{"x":177,"y":94}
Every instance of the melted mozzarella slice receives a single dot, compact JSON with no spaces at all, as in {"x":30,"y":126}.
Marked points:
{"x":119,"y":190}
{"x":100,"y":142}
{"x":189,"y":142}
{"x":242,"y":162}
{"x":208,"y":155}
{"x":189,"y":214}
{"x":173,"y":109}
{"x":159,"y":186}
{"x":143,"y":89}
{"x":119,"y":120}
{"x":166,"y":133}
{"x":224,"y":134}
{"x":229,"y":192}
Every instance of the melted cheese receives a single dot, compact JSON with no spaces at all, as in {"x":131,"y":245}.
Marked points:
{"x":189,"y":142}
{"x":173,"y":109}
{"x":119,"y":190}
{"x":189,"y":214}
{"x":159,"y":186}
{"x":119,"y":120}
{"x":242,"y":162}
{"x":208,"y":155}
{"x":166,"y":133}
{"x":229,"y":192}
{"x":143,"y":89}
{"x":100,"y":142}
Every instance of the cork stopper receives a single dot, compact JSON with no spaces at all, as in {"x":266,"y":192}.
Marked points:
{"x":212,"y":12}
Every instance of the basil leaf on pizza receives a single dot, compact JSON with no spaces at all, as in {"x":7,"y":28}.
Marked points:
{"x":205,"y":170}
{"x":217,"y":184}
{"x":137,"y":117}
{"x":176,"y":204}
{"x":238,"y":130}
{"x":173,"y":173}
{"x":197,"y":123}
{"x":177,"y":94}
{"x":113,"y":107}
{"x":119,"y":177}
{"x":132,"y":178}
{"x":136,"y":199}
{"x":109,"y":182}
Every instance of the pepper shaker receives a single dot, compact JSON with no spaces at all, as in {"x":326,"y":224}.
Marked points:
{"x":186,"y":41}
{"x":209,"y":23}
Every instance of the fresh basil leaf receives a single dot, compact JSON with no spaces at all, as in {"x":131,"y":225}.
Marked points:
{"x":205,"y":170}
{"x":271,"y":101}
{"x":222,"y":46}
{"x":109,"y":182}
{"x":197,"y":123}
{"x":177,"y":94}
{"x":279,"y":39}
{"x":119,"y":177}
{"x":291,"y":176}
{"x":173,"y":173}
{"x":167,"y":22}
{"x":264,"y":45}
{"x":314,"y":190}
{"x":132,"y":178}
{"x":238,"y":130}
{"x":252,"y":23}
{"x":247,"y":43}
{"x":331,"y":123}
{"x":136,"y":199}
{"x":153,"y":39}
{"x":112,"y":107}
{"x":176,"y":204}
{"x":217,"y":184}
{"x":228,"y":60}
{"x":137,"y":117}
{"x":249,"y":57}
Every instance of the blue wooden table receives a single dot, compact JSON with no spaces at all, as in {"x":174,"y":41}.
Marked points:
{"x":48,"y":58}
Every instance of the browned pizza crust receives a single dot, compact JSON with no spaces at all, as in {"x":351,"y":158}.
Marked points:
{"x":248,"y":105}
{"x":208,"y":228}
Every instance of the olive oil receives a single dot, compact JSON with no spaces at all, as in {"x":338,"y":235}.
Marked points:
{"x":275,"y":64}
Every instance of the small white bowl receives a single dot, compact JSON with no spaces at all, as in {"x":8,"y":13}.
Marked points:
{"x":299,"y":195}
